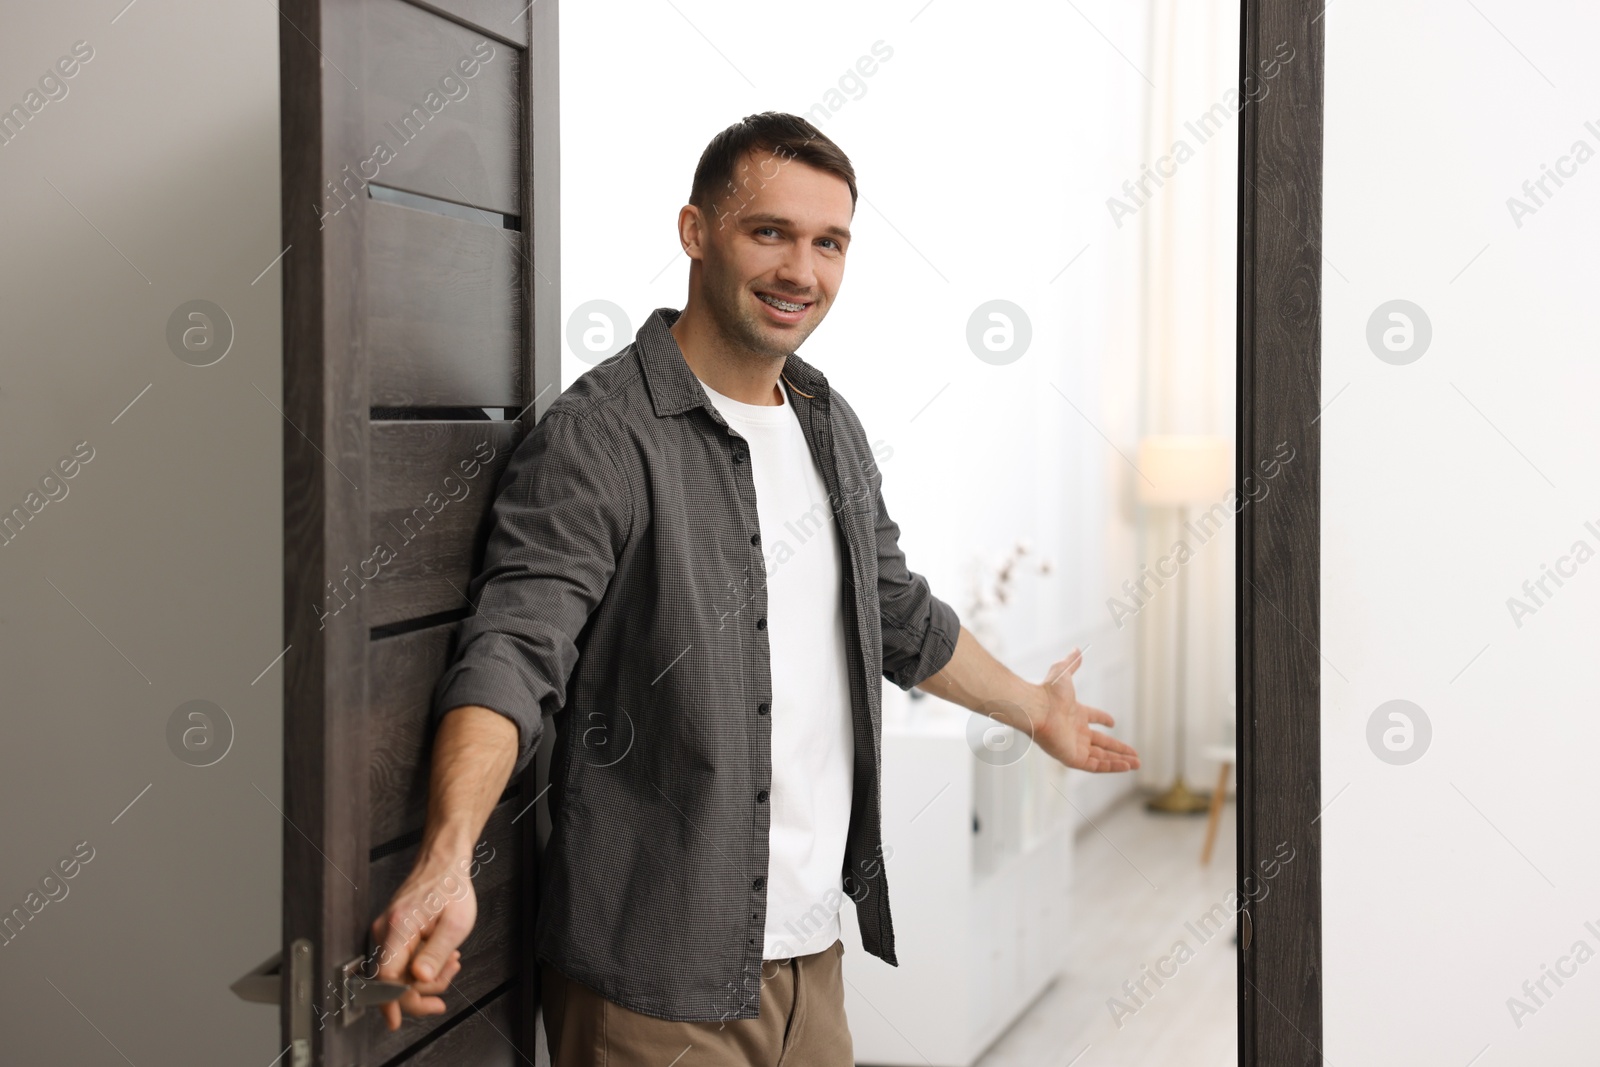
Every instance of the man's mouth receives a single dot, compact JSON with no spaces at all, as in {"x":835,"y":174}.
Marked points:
{"x":782,"y":304}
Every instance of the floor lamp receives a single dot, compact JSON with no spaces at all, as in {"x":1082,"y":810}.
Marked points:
{"x":1177,"y":471}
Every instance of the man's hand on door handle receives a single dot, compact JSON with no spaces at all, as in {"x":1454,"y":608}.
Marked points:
{"x":417,"y":935}
{"x":420,"y":931}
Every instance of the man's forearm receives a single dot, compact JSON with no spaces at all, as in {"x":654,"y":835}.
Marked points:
{"x":474,"y":753}
{"x":977,"y":681}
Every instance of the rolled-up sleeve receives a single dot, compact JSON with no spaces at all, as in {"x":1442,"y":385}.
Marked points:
{"x":919,"y":629}
{"x":561,"y":517}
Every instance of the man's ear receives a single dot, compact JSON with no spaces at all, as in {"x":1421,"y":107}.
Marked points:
{"x":692,"y":231}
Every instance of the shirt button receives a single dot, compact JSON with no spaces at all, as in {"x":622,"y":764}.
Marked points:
{"x":761,"y":623}
{"x":738,"y":455}
{"x":755,"y":539}
{"x":763,"y":708}
{"x":759,"y":883}
{"x":761,"y":797}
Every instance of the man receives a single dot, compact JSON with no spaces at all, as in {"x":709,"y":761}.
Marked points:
{"x":691,"y":556}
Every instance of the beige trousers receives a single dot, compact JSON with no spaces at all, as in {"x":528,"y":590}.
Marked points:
{"x":802,"y":1024}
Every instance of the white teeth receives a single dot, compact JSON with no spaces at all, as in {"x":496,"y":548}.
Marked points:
{"x":781,"y":305}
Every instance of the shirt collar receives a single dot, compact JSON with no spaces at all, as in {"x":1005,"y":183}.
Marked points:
{"x":675,"y":389}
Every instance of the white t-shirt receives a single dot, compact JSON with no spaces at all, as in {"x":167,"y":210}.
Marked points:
{"x":813,"y":758}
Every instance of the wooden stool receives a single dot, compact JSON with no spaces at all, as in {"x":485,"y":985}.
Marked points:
{"x":1224,"y":755}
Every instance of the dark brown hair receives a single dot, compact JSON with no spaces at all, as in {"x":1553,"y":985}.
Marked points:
{"x":789,"y":137}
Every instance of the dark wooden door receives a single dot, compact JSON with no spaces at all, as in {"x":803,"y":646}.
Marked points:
{"x":1278,"y":622}
{"x":420,"y":337}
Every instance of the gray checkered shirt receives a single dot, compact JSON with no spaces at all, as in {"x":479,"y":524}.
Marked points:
{"x":624,"y":585}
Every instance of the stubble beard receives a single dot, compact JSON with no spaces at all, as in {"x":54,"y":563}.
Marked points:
{"x":746,"y":331}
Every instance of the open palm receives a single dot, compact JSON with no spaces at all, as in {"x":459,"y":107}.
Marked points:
{"x":1063,"y":729}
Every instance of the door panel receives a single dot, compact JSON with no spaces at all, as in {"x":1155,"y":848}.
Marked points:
{"x":444,"y":308}
{"x":404,"y":320}
{"x":453,"y":133}
{"x":482,"y":1039}
{"x":403,"y":669}
{"x":431,"y":487}
{"x":506,"y":20}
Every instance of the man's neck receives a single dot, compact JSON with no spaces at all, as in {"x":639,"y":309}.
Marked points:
{"x":740,"y":375}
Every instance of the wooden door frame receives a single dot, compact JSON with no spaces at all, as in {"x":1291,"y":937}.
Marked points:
{"x":1277,"y":562}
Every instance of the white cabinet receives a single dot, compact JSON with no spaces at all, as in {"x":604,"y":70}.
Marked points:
{"x":980,"y":915}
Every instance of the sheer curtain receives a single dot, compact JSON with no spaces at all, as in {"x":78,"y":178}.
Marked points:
{"x":1185,"y":202}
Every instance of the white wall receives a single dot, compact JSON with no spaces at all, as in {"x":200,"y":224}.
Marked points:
{"x":156,"y":579}
{"x":985,"y":149}
{"x":1447,"y":483}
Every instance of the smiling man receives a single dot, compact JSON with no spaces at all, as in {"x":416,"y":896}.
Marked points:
{"x":691,"y":560}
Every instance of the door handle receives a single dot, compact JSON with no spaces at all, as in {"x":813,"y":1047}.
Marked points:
{"x":264,"y":985}
{"x":361,"y":993}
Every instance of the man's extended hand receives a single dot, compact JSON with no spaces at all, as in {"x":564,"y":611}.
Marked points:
{"x":1050,"y":713}
{"x":418,"y":934}
{"x":433,"y":912}
{"x":1061,"y":725}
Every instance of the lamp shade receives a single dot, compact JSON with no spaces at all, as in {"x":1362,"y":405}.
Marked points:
{"x":1179,"y":469}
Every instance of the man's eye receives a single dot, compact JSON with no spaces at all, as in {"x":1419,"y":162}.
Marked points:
{"x":767,"y":229}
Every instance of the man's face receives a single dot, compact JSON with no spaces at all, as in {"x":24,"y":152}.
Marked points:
{"x":782,"y":237}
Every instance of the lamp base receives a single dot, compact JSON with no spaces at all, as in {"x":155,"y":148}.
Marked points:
{"x":1178,"y":800}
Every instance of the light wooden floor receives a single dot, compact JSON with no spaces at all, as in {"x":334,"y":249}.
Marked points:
{"x":1137,"y":881}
